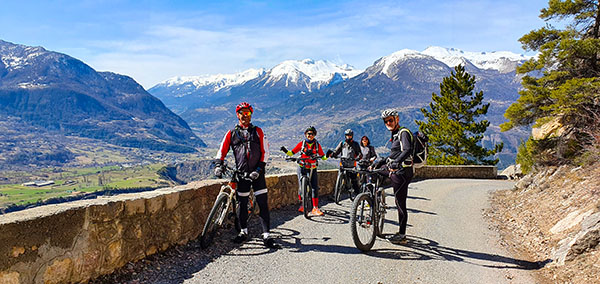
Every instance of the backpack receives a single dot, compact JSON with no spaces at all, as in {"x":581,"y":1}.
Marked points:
{"x":419,"y":149}
{"x":419,"y":141}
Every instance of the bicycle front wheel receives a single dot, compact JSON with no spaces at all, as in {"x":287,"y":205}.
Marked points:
{"x":362,"y":222}
{"x":381,"y":213}
{"x":306,"y":197}
{"x":214,"y":220}
{"x":339,"y":184}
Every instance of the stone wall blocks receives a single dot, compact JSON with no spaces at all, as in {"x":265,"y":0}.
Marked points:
{"x":59,"y":271}
{"x":136,"y":206}
{"x":105,"y":212}
{"x":9,"y":277}
{"x":155,"y":204}
{"x":171,"y":200}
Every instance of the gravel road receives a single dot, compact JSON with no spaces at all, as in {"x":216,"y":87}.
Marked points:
{"x":449,"y":242}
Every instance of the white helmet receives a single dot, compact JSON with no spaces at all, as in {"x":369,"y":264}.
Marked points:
{"x":389,"y":112}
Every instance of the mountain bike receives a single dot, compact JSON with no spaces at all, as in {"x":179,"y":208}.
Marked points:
{"x":367,"y":215}
{"x":343,"y":183}
{"x":223,"y":212}
{"x":305,"y":187}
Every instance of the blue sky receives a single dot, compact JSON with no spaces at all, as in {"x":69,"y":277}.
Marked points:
{"x":154,"y":40}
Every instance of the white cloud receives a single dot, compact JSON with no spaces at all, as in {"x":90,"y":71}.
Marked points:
{"x":356,"y":32}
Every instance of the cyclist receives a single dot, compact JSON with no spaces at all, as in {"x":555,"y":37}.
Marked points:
{"x":251,"y":151}
{"x":349,"y":150}
{"x":368,"y":152}
{"x":399,"y":168}
{"x":368,"y":155}
{"x":309,"y":147}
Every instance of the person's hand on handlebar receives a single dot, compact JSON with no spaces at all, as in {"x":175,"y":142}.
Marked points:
{"x":218,"y":172}
{"x":286,"y":151}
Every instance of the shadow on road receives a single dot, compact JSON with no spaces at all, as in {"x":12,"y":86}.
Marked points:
{"x":425,"y":249}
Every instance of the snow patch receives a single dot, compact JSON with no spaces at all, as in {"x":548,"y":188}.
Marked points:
{"x":496,"y":60}
{"x":219,"y":81}
{"x":403,"y":54}
{"x":317,"y":71}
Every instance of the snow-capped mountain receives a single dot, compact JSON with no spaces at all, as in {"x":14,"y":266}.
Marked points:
{"x":502,"y":61}
{"x":309,"y":72}
{"x":216,"y":82}
{"x":291,"y":76}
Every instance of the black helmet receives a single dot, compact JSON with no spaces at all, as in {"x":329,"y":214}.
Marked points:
{"x":311,"y":128}
{"x":349,"y":132}
{"x":389,"y":112}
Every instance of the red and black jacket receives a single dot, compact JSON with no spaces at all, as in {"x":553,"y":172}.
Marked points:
{"x":249,"y":146}
{"x":309,"y":150}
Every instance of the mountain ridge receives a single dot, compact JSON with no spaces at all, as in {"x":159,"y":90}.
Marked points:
{"x":61,"y":93}
{"x":403,"y":80}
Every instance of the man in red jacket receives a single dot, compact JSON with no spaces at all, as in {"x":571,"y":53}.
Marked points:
{"x":251,"y":151}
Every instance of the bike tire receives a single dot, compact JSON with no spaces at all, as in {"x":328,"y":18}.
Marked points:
{"x":306,"y":198}
{"x":362,"y":228}
{"x":380,"y":214}
{"x":351,"y":193}
{"x":211,"y":226}
{"x":337,"y":193}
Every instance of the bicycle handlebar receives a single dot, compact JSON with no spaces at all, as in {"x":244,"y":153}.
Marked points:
{"x":297,"y":159}
{"x":229,"y":171}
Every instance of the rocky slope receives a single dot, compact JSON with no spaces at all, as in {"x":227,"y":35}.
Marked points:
{"x":553,"y":217}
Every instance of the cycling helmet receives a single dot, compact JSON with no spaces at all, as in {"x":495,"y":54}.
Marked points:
{"x":244,"y":105}
{"x":348,"y":132}
{"x":389,"y":112}
{"x":311,"y":128}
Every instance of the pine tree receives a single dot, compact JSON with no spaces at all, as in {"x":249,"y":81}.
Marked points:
{"x":453,"y":133}
{"x":562,"y":84}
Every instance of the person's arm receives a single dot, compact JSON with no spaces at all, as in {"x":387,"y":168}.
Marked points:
{"x":357,"y":151}
{"x":406,"y":148}
{"x":223,"y":149}
{"x":372,"y":153}
{"x":321,"y":153}
{"x":337,"y":150}
{"x":297,"y":148}
{"x":264,"y":148}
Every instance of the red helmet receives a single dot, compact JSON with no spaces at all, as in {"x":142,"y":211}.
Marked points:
{"x":244,"y":105}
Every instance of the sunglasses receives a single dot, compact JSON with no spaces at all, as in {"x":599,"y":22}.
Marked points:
{"x":310,"y":133}
{"x":245,"y":112}
{"x":386,"y":121}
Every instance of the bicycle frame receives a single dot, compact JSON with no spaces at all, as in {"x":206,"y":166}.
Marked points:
{"x":368,"y":212}
{"x":304,"y":181}
{"x":226,"y":197}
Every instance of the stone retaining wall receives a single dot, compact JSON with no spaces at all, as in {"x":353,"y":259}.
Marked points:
{"x":486,"y":172}
{"x":77,"y":241}
{"x":81,"y":240}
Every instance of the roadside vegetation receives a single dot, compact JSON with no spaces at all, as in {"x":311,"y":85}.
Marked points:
{"x":70,"y":182}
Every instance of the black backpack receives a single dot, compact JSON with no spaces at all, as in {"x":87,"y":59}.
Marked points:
{"x":419,"y":149}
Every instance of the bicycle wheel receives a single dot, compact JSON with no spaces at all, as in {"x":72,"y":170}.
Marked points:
{"x":339,"y":185}
{"x":362,"y":216}
{"x":306,"y":197}
{"x":349,"y":188}
{"x":216,"y":215}
{"x":380,"y":213}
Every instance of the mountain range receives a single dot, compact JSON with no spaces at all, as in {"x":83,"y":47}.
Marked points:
{"x":58,"y":93}
{"x":295,"y":94}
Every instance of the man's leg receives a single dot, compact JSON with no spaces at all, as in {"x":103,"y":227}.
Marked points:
{"x":400,"y":185}
{"x":243,"y":191}
{"x":262,"y":198}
